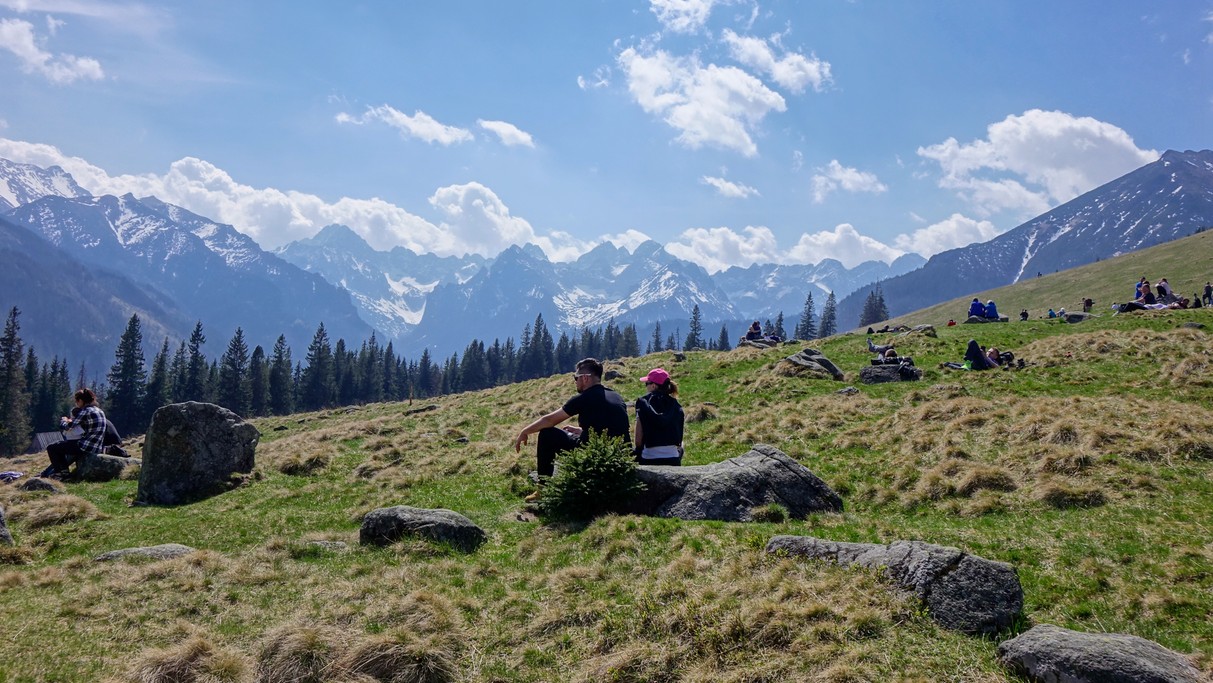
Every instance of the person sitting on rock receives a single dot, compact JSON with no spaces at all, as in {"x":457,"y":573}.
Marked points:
{"x":991,"y":310}
{"x":755,"y":332}
{"x":92,"y":423}
{"x":976,"y":310}
{"x":659,"y":421}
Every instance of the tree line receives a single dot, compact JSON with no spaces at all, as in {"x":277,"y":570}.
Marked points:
{"x":254,"y":383}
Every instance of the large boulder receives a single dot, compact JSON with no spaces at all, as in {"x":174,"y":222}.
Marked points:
{"x":192,"y":451}
{"x":388,"y":525}
{"x":1048,"y":653}
{"x":812,"y":359}
{"x":730,"y":490}
{"x":1075,"y":317}
{"x":164,"y":551}
{"x":879,"y":374}
{"x":962,"y":592}
{"x":6,"y":538}
{"x":102,"y":467}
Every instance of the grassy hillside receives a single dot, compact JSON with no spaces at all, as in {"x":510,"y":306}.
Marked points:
{"x":1187,"y":264}
{"x":1089,"y":470}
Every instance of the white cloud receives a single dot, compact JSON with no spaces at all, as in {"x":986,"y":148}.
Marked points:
{"x":601,"y":78}
{"x":729,"y":189}
{"x":628,"y":239}
{"x":509,"y":134}
{"x":835,"y":176}
{"x":474,"y":219}
{"x":1050,"y":156}
{"x":844,"y":243}
{"x":793,"y":71}
{"x":713,"y":105}
{"x":420,"y":125}
{"x":951,"y":233}
{"x":797,"y":160}
{"x":682,"y":16}
{"x":719,"y":248}
{"x":53,"y":25}
{"x":17,"y":36}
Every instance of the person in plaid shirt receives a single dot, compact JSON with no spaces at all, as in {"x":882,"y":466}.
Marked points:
{"x":91,"y":421}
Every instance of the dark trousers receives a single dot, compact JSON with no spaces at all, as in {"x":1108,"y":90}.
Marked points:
{"x":551,"y":442}
{"x":64,"y":453}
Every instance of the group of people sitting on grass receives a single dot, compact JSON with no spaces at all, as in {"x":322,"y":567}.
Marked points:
{"x":1159,"y":297}
{"x":987,"y":310}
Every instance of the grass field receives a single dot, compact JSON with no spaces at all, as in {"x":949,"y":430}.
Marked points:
{"x":1089,"y":470}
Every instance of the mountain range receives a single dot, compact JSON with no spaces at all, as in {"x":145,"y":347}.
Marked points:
{"x":1161,"y":201}
{"x":115,"y":256}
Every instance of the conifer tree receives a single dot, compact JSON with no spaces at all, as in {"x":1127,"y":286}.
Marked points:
{"x":282,"y":386}
{"x":807,"y":327}
{"x":233,"y":391}
{"x":318,"y":389}
{"x":474,"y":367}
{"x":655,"y":344}
{"x":695,"y":332}
{"x":629,"y":346}
{"x":15,"y":427}
{"x":426,"y":374}
{"x":179,"y":371}
{"x":159,"y":385}
{"x":127,"y":380}
{"x":723,"y":343}
{"x":778,"y":329}
{"x":829,"y":317}
{"x":197,"y":372}
{"x":370,"y":360}
{"x":259,"y":383}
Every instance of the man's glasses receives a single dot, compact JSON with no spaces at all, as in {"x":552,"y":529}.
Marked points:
{"x":582,"y":374}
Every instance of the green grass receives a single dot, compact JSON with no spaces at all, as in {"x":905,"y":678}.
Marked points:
{"x":1088,"y":470}
{"x":1187,"y":263}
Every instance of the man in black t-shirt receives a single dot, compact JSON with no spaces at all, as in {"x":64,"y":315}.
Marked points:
{"x":597,"y":408}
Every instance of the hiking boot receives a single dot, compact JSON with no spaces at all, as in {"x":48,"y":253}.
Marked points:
{"x":534,"y":497}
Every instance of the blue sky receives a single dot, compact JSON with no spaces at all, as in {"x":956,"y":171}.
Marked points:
{"x":732,"y":132}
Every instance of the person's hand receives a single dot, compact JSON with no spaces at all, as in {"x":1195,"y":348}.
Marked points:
{"x":570,"y":429}
{"x":519,"y":441}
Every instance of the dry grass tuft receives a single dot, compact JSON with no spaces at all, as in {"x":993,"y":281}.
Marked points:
{"x":403,"y":657}
{"x":301,"y":464}
{"x":985,"y":477}
{"x":1063,"y":495}
{"x":701,"y":413}
{"x":300,"y":653}
{"x":54,"y":510}
{"x":196,"y":660}
{"x":15,"y":555}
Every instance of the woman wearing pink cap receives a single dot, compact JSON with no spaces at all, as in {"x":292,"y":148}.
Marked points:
{"x":659,"y":421}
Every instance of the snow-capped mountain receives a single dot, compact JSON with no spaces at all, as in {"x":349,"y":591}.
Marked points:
{"x":210,"y":271}
{"x":24,"y":183}
{"x":389,"y":288}
{"x":1161,"y":201}
{"x":762,"y":291}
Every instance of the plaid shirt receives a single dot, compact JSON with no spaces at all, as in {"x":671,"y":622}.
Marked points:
{"x":92,"y":421}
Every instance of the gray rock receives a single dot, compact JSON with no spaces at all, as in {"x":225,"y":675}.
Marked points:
{"x":1052,"y":654}
{"x":335,"y":546}
{"x":757,"y":343}
{"x":879,"y":374}
{"x":1075,"y":317}
{"x":814,"y":360}
{"x":679,"y":357}
{"x":612,"y":374}
{"x":422,"y":409}
{"x":976,"y":319}
{"x":165,"y":551}
{"x":6,"y":538}
{"x":928,"y":330}
{"x":40,"y":484}
{"x":1194,"y":325}
{"x":388,"y":525}
{"x":962,"y":592}
{"x":192,"y":451}
{"x":847,"y":391}
{"x":101,"y":467}
{"x":731,"y":489}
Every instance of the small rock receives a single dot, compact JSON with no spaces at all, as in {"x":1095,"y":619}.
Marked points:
{"x":1194,"y":325}
{"x":166,"y":551}
{"x":612,"y":374}
{"x":335,"y":546}
{"x":679,"y":357}
{"x":847,"y":391}
{"x":423,"y":409}
{"x":6,"y":538}
{"x":40,"y":484}
{"x":1048,"y":653}
{"x":281,"y":428}
{"x":880,"y":374}
{"x":388,"y":525}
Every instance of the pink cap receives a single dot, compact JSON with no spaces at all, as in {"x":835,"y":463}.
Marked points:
{"x":657,"y":376}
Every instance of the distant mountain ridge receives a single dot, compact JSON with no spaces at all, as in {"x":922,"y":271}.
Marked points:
{"x":1161,"y":201}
